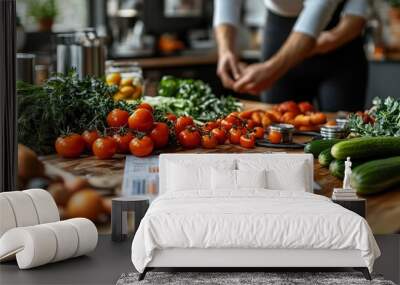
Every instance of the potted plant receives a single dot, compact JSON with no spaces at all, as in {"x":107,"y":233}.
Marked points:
{"x":44,"y":12}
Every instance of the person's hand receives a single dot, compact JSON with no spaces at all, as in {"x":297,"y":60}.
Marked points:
{"x":229,"y":68}
{"x":258,"y":77}
{"x":326,"y":42}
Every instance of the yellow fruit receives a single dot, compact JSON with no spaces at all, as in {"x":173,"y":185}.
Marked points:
{"x":126,"y":82}
{"x":127,"y":91}
{"x":138,"y":92}
{"x":113,"y":78}
{"x":119,"y":96}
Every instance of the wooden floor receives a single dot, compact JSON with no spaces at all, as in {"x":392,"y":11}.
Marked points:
{"x":110,"y":259}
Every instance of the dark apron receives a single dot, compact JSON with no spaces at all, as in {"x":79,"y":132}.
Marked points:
{"x":335,"y":81}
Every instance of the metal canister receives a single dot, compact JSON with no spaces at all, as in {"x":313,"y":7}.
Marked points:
{"x":333,"y":132}
{"x":286,"y":130}
{"x":83,"y":51}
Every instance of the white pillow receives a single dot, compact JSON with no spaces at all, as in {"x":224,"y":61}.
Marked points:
{"x":251,"y":178}
{"x":229,"y":180}
{"x":190,"y":176}
{"x":289,"y":174}
{"x":223,"y":179}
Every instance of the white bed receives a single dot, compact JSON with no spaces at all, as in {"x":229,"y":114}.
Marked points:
{"x":248,"y":226}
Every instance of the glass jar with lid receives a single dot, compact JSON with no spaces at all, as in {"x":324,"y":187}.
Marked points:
{"x":128,"y":76}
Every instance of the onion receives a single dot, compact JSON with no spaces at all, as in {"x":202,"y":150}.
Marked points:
{"x":86,"y":203}
{"x":60,"y":194}
{"x":75,"y":184}
{"x":29,"y":166}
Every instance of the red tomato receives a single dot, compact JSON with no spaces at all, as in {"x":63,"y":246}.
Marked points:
{"x":289,"y":106}
{"x":226,"y":125}
{"x":145,"y":105}
{"x":233,"y":118}
{"x":275,"y":137}
{"x":247,"y":141}
{"x":123,"y":141}
{"x":70,"y":146}
{"x":250,"y":124}
{"x":89,"y":137}
{"x":159,"y":135}
{"x":171,"y":117}
{"x":209,"y":126}
{"x":189,"y":138}
{"x":104,"y":147}
{"x":305,"y":107}
{"x":219,"y":134}
{"x":258,"y":132}
{"x":141,"y":146}
{"x":141,"y":120}
{"x":209,"y":141}
{"x":117,"y":118}
{"x":182,"y":123}
{"x":234,"y":135}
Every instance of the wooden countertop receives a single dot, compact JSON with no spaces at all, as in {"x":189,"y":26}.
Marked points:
{"x":383,"y":210}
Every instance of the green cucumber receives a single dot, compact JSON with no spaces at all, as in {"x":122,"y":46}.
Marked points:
{"x":377,"y":175}
{"x":317,"y":146}
{"x":367,"y":147}
{"x":325,"y":157}
{"x":336,"y":167}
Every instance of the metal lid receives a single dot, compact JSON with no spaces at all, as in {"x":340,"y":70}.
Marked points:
{"x":282,"y":127}
{"x":332,"y":129}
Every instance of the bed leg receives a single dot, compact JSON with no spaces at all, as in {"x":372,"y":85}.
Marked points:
{"x":365,"y":272}
{"x":142,"y":275}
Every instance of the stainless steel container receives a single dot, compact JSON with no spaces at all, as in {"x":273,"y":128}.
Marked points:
{"x":83,"y":51}
{"x":286,"y":131}
{"x":334,"y":132}
{"x":25,"y":68}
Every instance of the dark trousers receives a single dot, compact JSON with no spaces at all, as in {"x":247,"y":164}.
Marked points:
{"x":335,"y":81}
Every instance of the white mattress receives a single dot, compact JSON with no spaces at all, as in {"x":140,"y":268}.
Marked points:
{"x":253,"y":219}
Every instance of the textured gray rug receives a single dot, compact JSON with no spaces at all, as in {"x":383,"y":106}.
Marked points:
{"x":243,"y":278}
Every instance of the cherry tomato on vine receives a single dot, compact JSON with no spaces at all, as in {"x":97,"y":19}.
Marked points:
{"x":159,"y":135}
{"x":123,"y":141}
{"x":145,"y":105}
{"x":219,"y":134}
{"x":182,"y":123}
{"x":190,"y":138}
{"x":209,"y":126}
{"x":234,"y":135}
{"x":141,"y":146}
{"x":258,"y":132}
{"x":247,"y":141}
{"x":209,"y":141}
{"x":70,"y":146}
{"x":117,"y":118}
{"x":104,"y":148}
{"x":141,"y":120}
{"x":171,"y":117}
{"x":89,"y":137}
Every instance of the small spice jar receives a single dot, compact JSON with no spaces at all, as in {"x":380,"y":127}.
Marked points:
{"x":286,"y":131}
{"x":333,"y":132}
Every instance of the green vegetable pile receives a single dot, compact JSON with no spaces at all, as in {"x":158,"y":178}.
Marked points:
{"x":192,"y":98}
{"x":386,"y":114}
{"x":64,"y":104}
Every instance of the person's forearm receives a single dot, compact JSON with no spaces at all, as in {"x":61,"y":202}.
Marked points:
{"x":348,"y":29}
{"x":226,"y":38}
{"x":297,"y":47}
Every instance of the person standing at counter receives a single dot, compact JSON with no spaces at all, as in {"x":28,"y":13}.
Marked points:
{"x":312,"y":50}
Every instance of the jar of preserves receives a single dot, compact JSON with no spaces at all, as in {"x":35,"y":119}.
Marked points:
{"x":128,"y":76}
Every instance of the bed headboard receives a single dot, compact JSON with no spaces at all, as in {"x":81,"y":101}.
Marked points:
{"x":270,"y":161}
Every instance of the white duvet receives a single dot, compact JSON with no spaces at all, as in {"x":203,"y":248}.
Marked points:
{"x":250,"y":219}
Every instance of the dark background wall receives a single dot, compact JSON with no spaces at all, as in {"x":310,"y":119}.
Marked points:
{"x":8,"y":148}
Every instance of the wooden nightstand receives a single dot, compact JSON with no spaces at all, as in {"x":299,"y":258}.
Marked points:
{"x":357,"y":205}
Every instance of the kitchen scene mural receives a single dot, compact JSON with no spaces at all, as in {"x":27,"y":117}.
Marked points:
{"x":104,"y":87}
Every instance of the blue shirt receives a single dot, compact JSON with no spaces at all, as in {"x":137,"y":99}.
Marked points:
{"x":313,"y":15}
